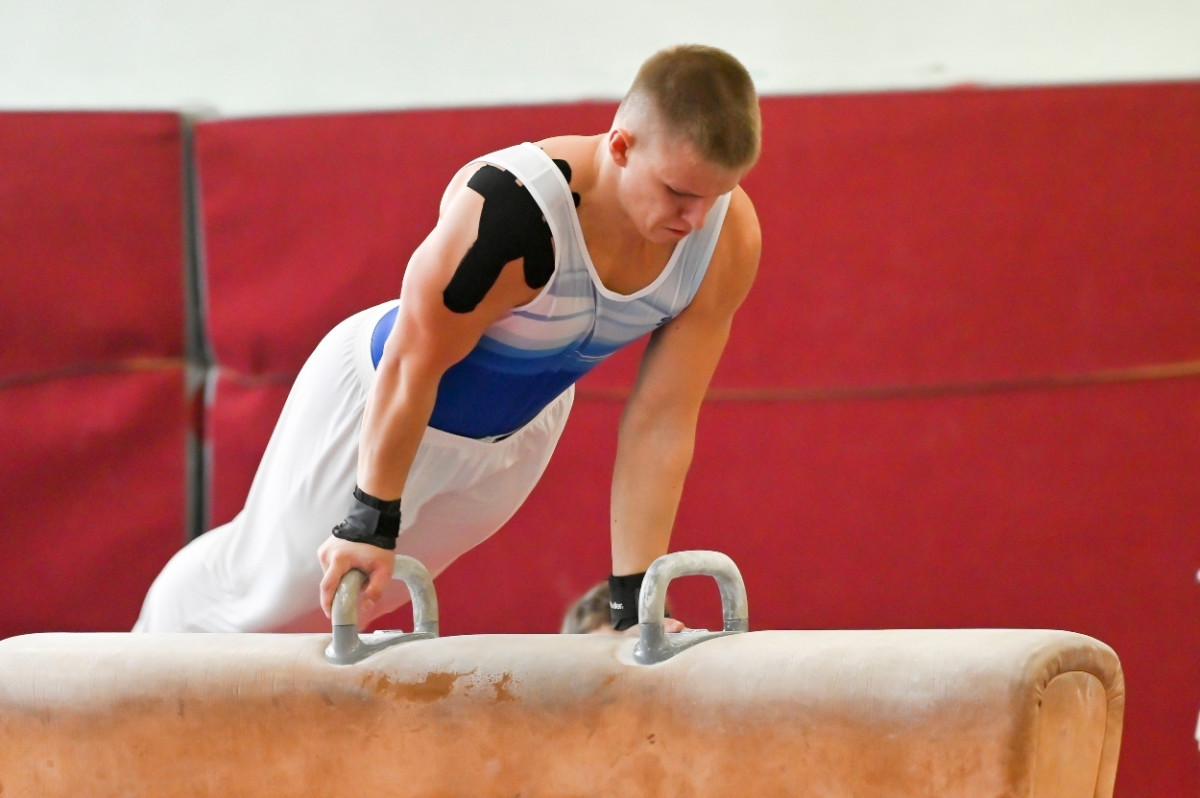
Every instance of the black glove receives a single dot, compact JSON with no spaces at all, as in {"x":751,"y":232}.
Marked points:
{"x":623,"y":592}
{"x":371,"y":520}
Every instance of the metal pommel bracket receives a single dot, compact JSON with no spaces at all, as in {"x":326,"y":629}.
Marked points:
{"x":654,"y":644}
{"x":348,"y":646}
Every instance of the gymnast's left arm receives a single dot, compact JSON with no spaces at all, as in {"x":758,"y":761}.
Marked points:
{"x":657,"y":432}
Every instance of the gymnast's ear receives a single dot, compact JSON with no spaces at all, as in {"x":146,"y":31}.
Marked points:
{"x":619,"y":143}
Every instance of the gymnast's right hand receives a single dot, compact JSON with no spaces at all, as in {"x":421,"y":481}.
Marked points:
{"x":339,"y":557}
{"x":366,"y":540}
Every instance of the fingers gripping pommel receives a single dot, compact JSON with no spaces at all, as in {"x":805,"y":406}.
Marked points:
{"x":511,"y":227}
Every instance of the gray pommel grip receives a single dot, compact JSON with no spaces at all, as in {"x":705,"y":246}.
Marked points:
{"x":348,"y":646}
{"x":654,"y":644}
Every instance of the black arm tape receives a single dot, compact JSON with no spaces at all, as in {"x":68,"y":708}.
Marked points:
{"x":511,"y":227}
{"x":371,"y":520}
{"x":623,"y":593}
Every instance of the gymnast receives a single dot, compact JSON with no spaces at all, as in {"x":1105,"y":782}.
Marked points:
{"x":546,"y":258}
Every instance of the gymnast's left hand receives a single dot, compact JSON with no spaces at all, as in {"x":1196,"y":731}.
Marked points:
{"x":670,"y":626}
{"x":338,"y":557}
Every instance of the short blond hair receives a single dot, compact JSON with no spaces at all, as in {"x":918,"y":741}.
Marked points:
{"x":707,"y":96}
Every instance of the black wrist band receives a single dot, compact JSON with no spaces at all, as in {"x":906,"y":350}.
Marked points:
{"x":623,"y":594}
{"x":389,"y":507}
{"x":371,"y":520}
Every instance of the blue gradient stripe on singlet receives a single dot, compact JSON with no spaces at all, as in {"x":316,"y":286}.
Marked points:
{"x":488,"y":394}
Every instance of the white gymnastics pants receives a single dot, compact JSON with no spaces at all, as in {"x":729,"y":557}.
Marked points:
{"x":260,"y":572}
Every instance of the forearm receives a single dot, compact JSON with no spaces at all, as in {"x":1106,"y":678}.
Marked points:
{"x":396,"y":416}
{"x":393,"y":424}
{"x":648,"y":477}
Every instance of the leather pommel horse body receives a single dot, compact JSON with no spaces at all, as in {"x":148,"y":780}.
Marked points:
{"x":987,"y":713}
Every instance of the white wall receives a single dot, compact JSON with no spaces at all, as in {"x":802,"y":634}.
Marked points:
{"x":248,"y":57}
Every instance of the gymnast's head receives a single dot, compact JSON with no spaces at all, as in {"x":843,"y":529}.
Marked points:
{"x":686,"y":133}
{"x":699,"y":95}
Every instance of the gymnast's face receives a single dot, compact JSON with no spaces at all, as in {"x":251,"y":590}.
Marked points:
{"x":666,"y":187}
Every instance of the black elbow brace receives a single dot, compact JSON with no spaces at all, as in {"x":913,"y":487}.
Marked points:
{"x":623,"y":593}
{"x":371,"y":520}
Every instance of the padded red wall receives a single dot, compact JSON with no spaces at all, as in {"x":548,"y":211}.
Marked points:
{"x":92,"y":408}
{"x":972,"y":363}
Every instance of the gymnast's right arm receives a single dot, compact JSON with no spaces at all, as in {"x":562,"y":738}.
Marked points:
{"x":427,"y":339}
